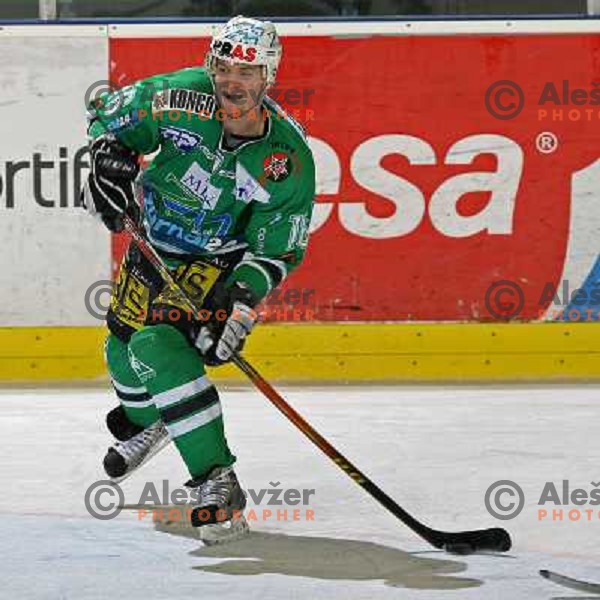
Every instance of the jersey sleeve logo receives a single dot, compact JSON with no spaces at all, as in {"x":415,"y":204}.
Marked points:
{"x":184,"y":100}
{"x":117,"y":100}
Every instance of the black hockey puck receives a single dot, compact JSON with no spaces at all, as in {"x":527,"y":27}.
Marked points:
{"x":461,"y":548}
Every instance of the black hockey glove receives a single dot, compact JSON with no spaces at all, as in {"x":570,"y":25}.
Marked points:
{"x":232,"y":317}
{"x":109,"y":190}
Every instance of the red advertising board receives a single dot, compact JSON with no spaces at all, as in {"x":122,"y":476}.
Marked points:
{"x":431,"y":188}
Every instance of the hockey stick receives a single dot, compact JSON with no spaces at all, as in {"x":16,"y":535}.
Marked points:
{"x":463,"y":542}
{"x":570,"y":582}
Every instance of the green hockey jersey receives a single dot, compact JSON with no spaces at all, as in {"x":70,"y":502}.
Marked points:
{"x":203,"y":199}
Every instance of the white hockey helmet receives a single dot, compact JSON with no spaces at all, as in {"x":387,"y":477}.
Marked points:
{"x":246,"y":41}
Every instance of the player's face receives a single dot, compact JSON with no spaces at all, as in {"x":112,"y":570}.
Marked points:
{"x":238,"y":87}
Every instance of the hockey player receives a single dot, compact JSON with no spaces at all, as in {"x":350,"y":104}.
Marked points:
{"x":226,"y":201}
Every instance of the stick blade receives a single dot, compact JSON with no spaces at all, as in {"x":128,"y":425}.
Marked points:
{"x":571,"y":583}
{"x":483,"y":540}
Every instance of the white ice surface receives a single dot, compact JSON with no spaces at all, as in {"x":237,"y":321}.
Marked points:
{"x":434,"y":450}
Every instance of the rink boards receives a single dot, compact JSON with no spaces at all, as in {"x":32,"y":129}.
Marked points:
{"x":438,"y":218}
{"x":368,"y":352}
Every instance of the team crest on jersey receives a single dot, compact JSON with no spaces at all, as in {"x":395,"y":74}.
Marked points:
{"x":278,"y":166}
{"x":181,"y":99}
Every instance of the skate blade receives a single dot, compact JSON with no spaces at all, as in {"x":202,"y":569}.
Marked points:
{"x":223,"y":533}
{"x":155,"y":450}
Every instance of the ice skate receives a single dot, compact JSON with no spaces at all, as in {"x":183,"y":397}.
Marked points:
{"x":219,"y":505}
{"x":126,"y":456}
